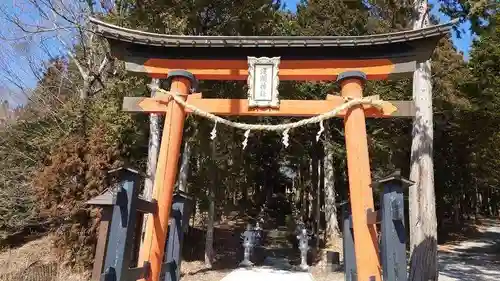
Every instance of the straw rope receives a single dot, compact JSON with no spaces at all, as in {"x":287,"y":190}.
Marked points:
{"x":384,"y":106}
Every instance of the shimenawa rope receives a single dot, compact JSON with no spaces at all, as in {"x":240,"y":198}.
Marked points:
{"x":384,"y":106}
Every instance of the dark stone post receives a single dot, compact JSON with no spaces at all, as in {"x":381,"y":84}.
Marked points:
{"x":179,"y":220}
{"x":124,"y":205}
{"x":393,"y":234}
{"x":348,"y":244}
{"x":122,"y":226}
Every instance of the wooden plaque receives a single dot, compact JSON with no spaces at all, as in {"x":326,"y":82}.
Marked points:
{"x":263,"y":82}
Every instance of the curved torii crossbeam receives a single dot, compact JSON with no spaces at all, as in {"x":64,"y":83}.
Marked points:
{"x":347,"y":59}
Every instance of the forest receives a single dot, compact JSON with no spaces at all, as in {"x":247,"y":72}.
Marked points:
{"x":57,"y":147}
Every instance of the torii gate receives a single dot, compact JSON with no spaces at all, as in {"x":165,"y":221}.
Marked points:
{"x":348,"y":59}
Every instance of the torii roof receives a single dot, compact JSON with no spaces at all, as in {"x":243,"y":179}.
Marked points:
{"x":156,"y":54}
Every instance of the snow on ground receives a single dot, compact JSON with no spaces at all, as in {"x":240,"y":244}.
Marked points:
{"x":262,"y":274}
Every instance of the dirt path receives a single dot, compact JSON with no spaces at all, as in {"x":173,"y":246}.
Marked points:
{"x":475,"y":259}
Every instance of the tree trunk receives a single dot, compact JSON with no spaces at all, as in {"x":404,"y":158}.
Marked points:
{"x":318,"y":202}
{"x":321,"y":172}
{"x":153,"y":150}
{"x":303,"y":193}
{"x":209,"y":243}
{"x":184,"y":169}
{"x":333,"y":239}
{"x":245,"y":189}
{"x":456,"y":212}
{"x":493,"y":201}
{"x":423,"y":224}
{"x":307,"y":194}
{"x":296,"y":193}
{"x":314,"y":190}
{"x":489,"y":196}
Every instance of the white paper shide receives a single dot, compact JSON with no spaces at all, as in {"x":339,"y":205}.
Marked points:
{"x":263,"y":81}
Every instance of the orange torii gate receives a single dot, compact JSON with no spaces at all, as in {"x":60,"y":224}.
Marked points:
{"x":351,"y":60}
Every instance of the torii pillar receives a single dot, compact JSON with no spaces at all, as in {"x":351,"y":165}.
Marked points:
{"x":358,"y":168}
{"x":153,"y":247}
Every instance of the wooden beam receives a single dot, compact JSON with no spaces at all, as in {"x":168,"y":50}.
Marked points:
{"x":102,"y":239}
{"x":146,"y":206}
{"x":228,"y":107}
{"x":289,"y":70}
{"x":372,"y":217}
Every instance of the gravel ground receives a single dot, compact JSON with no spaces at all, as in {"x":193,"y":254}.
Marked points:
{"x":196,"y":271}
{"x":321,"y":274}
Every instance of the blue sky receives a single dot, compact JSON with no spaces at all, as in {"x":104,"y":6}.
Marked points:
{"x":23,"y":54}
{"x":462,"y":44}
{"x":16,"y":54}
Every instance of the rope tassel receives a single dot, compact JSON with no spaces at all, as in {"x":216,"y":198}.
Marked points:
{"x":321,"y":130}
{"x":245,"y":141}
{"x":213,"y":134}
{"x":285,"y":138}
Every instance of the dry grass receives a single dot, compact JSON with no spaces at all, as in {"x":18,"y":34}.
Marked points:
{"x":36,"y":261}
